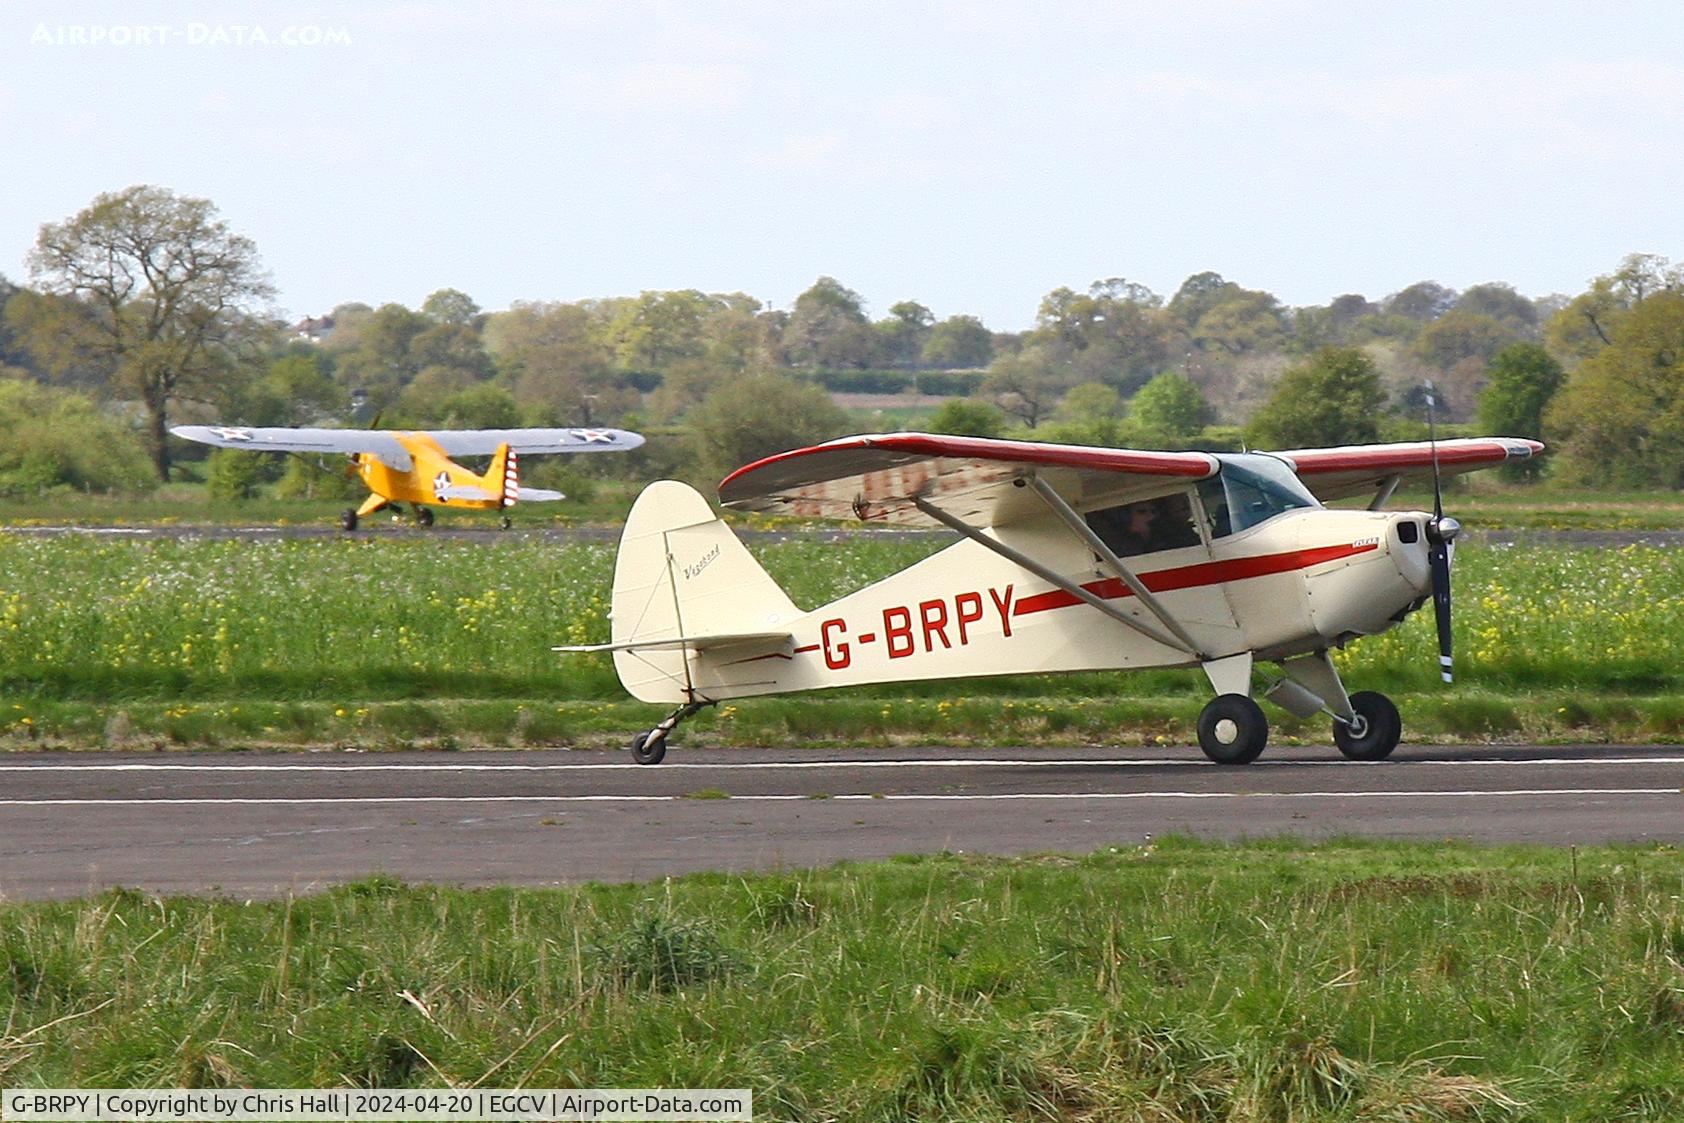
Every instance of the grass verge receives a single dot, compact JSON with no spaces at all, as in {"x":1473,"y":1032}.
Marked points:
{"x":1180,"y":980}
{"x":833,"y":720}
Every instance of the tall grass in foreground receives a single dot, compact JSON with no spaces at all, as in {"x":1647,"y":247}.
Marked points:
{"x":243,"y":638}
{"x":1175,"y":981}
{"x":278,"y":619}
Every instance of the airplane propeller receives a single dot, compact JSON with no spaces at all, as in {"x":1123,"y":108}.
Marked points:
{"x":1441,"y":547}
{"x":357,"y":457}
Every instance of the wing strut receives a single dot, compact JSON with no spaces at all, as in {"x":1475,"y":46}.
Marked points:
{"x":961,"y":527}
{"x":1384,"y":495}
{"x":1115,"y":564}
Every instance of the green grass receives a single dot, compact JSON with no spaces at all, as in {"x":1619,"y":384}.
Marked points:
{"x":837,"y":719}
{"x":188,"y":504}
{"x":1179,"y":980}
{"x":1488,"y":503}
{"x":388,"y":643}
{"x":899,"y":418}
{"x":1479,"y":501}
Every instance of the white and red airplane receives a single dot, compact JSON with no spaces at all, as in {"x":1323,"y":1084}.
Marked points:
{"x":1070,"y":559}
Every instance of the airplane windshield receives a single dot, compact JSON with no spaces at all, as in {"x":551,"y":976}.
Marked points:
{"x":1249,"y":490}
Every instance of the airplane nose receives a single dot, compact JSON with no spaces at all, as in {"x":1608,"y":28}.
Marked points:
{"x":1409,"y":548}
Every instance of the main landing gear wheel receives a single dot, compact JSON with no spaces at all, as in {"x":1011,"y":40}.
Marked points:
{"x":648,"y":749}
{"x":424,"y":516}
{"x":348,"y":519}
{"x":1376,"y":730}
{"x":1232,"y":729}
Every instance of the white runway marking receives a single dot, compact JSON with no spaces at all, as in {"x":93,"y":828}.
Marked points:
{"x":1512,"y":793}
{"x":17,"y":769}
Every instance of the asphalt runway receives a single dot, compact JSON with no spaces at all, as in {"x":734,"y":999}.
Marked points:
{"x":268,"y":824}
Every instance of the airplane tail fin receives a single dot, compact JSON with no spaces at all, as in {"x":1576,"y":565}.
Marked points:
{"x":684,"y":583}
{"x":502,"y":479}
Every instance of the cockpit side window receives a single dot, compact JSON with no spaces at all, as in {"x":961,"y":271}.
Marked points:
{"x":1165,"y":523}
{"x":1214,"y":498}
{"x":1250,"y":490}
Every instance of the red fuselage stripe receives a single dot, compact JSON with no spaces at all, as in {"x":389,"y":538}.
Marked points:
{"x":1192,"y":576}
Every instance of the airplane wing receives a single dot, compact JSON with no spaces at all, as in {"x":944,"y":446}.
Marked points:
{"x":529,"y":442}
{"x":370,"y":442}
{"x":1334,"y":473}
{"x":874,"y":478}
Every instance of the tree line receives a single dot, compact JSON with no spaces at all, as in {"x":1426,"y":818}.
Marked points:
{"x":150,"y":304}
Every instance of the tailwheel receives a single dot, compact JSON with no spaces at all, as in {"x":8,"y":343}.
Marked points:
{"x":423,"y":516}
{"x":1374,"y":732}
{"x":650,"y":747}
{"x":348,"y":519}
{"x":506,"y":522}
{"x":1232,"y":729}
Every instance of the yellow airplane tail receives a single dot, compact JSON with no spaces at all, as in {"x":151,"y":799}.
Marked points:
{"x":502,"y":479}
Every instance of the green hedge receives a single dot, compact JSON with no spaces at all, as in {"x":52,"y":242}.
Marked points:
{"x":945,"y":383}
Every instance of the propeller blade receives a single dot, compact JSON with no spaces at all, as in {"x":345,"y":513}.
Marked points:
{"x":1432,"y":441}
{"x":1441,"y":538}
{"x":1439,"y":561}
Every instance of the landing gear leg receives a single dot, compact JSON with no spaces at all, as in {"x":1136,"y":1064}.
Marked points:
{"x":349,"y":518}
{"x":651,"y":747}
{"x":1366,"y":725}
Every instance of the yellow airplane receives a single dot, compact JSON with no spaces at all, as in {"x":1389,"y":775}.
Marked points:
{"x":417,"y":467}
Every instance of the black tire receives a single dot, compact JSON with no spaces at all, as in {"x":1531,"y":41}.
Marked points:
{"x":646,"y":753}
{"x":1375,"y":733}
{"x":424,"y":516}
{"x":348,"y":519}
{"x":506,"y":522}
{"x":1232,"y":729}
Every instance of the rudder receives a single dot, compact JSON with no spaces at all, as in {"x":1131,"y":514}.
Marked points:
{"x":680,"y":571}
{"x":502,"y":478}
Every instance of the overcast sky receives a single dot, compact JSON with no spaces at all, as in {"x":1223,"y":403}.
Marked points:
{"x":971,"y":156}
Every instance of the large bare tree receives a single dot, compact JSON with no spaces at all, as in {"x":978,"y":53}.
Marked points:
{"x":152,"y":287}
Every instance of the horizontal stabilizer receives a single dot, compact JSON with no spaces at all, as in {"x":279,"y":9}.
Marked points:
{"x":464,"y":491}
{"x":539,"y":495}
{"x":694,"y":643}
